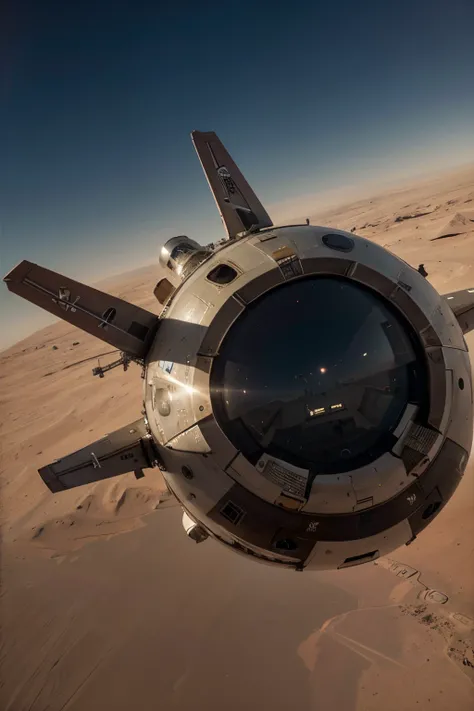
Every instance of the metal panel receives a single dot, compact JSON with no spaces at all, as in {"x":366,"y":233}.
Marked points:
{"x":163,"y":290}
{"x":410,"y":309}
{"x":420,"y":445}
{"x":223,"y":451}
{"x":438,"y":483}
{"x":222,"y":321}
{"x":258,"y":286}
{"x":326,"y":265}
{"x":461,"y":304}
{"x":459,"y":422}
{"x":429,"y":337}
{"x":243,"y":472}
{"x":446,"y":326}
{"x":333,"y":554}
{"x":446,"y":470}
{"x":174,"y":401}
{"x":125,"y":450}
{"x":262,"y":519}
{"x":437,"y":386}
{"x":177,"y":341}
{"x":237,"y":203}
{"x":373,"y":278}
{"x":127,"y":327}
{"x":191,"y":440}
{"x":381,"y":480}
{"x":407,"y":417}
{"x":196,"y":481}
{"x":291,"y":480}
{"x":331,"y":494}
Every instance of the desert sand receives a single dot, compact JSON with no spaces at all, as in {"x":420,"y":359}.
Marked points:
{"x":106,"y":604}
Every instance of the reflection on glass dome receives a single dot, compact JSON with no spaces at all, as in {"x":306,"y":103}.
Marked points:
{"x":317,"y":372}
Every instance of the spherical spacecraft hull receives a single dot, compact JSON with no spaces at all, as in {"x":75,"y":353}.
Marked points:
{"x":270,"y":508}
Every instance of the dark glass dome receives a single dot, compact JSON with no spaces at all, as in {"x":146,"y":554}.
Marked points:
{"x":316,"y":372}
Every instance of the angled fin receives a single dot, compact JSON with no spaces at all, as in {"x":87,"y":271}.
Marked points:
{"x":461,"y":304}
{"x":129,"y":449}
{"x":125,"y":326}
{"x":239,"y":207}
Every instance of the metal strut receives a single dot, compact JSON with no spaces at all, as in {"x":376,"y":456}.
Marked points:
{"x":124,"y":360}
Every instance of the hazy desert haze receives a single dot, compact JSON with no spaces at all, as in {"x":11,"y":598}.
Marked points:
{"x":107,"y":605}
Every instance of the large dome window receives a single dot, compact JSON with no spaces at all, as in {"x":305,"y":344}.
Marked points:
{"x":317,"y":372}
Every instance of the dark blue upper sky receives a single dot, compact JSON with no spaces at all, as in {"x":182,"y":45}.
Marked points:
{"x":98,"y":100}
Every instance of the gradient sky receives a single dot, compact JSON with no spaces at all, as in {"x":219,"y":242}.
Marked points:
{"x":97,"y":100}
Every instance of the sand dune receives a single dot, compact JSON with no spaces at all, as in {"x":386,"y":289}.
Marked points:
{"x":106,"y":604}
{"x":117,"y":510}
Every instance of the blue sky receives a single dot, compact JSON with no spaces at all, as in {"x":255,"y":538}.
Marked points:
{"x":97,"y":100}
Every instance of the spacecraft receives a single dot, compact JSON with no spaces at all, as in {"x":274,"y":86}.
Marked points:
{"x":307,"y":394}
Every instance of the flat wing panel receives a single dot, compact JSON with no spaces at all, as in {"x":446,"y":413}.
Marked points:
{"x":239,"y":207}
{"x":128,"y":449}
{"x":461,"y":304}
{"x":125,"y":326}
